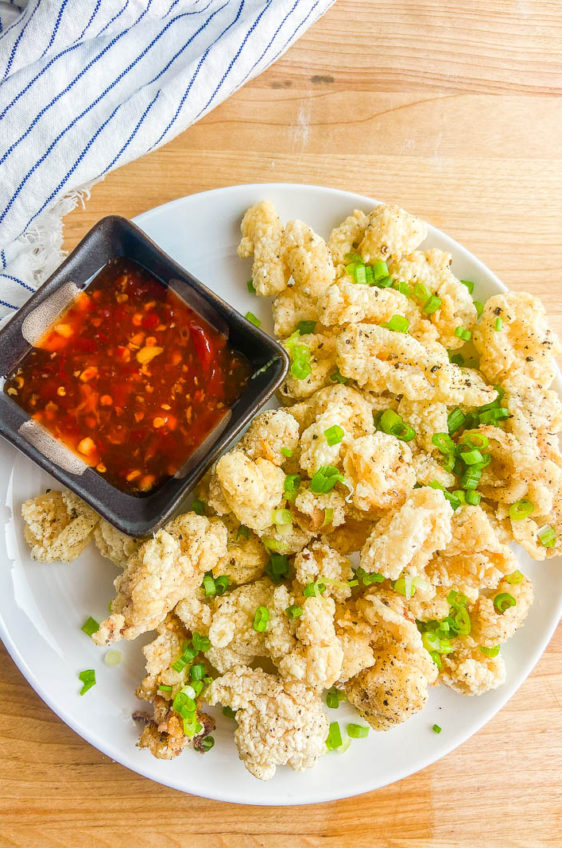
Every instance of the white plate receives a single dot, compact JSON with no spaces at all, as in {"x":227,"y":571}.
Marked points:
{"x":42,"y":607}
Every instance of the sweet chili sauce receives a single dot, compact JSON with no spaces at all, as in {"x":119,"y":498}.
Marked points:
{"x":129,"y":378}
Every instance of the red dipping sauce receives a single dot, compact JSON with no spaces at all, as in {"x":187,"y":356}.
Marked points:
{"x":130,"y":378}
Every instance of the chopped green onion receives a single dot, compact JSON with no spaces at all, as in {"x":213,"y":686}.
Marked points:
{"x":473,"y":497}
{"x":221,"y":584}
{"x":380,"y":270}
{"x":200,"y":643}
{"x":521,"y":509}
{"x":197,"y":672}
{"x":328,"y":517}
{"x":471,"y":457}
{"x":209,"y":584}
{"x":455,"y":420}
{"x":187,"y":656}
{"x":463,"y":334}
{"x":479,"y":306}
{"x":198,"y":506}
{"x":444,"y":442}
{"x":334,"y":434}
{"x":421,"y":292}
{"x":251,"y":287}
{"x":474,"y":440}
{"x":498,"y":324}
{"x":471,"y":477}
{"x":229,"y":712}
{"x":252,"y":319}
{"x":314,"y":589}
{"x":294,"y":611}
{"x":436,"y":657}
{"x":261,"y":617}
{"x":360,"y":275}
{"x":357,"y":731}
{"x":207,"y":743}
{"x":369,"y":275}
{"x":334,"y":739}
{"x":198,"y":685}
{"x":337,"y":377}
{"x":432,"y":304}
{"x":397,"y":324}
{"x":469,"y":284}
{"x":325,"y":479}
{"x":88,"y":678}
{"x":503,"y":601}
{"x":287,"y":452}
{"x":300,"y":366}
{"x":278,"y":568}
{"x":403,"y":288}
{"x":274,"y":545}
{"x":490,"y":652}
{"x":368,"y":578}
{"x":547,"y":536}
{"x":457,"y":359}
{"x":515,"y":577}
{"x":113,"y":657}
{"x":449,"y":496}
{"x":462,"y":621}
{"x":433,"y":642}
{"x":163,"y":687}
{"x":281,"y":517}
{"x":490,"y":416}
{"x":90,"y":626}
{"x":291,"y":486}
{"x":243,"y":532}
{"x":183,"y":703}
{"x":191,"y":727}
{"x":333,"y":698}
{"x":306,"y":327}
{"x":392,"y":424}
{"x":436,"y":728}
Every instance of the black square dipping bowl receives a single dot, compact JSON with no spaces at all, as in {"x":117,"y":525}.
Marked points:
{"x":112,"y":238}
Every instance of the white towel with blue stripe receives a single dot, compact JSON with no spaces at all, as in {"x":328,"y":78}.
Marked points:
{"x":88,"y":85}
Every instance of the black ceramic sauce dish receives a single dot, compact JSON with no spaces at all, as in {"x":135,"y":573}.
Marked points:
{"x":110,"y":238}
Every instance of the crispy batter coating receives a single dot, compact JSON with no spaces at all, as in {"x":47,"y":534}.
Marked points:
{"x":352,"y":535}
{"x":468,"y":671}
{"x":308,"y":259}
{"x":315,"y":448}
{"x":524,"y":344}
{"x":346,"y":237}
{"x":320,"y":560}
{"x":290,"y":307}
{"x":163,"y":734}
{"x":319,"y":513}
{"x":428,"y":470}
{"x":535,"y":412}
{"x":426,"y":419}
{"x":379,"y":468}
{"x":251,"y":489}
{"x":407,"y":538}
{"x":490,"y":627}
{"x":160,"y":573}
{"x":262,"y":238}
{"x":160,"y":654}
{"x":58,"y":526}
{"x":359,"y":414}
{"x":346,"y":302}
{"x":390,"y":234}
{"x":245,"y":557}
{"x":280,"y":722}
{"x":233,"y":638}
{"x":317,"y":658}
{"x":526,"y":531}
{"x":113,"y":544}
{"x":268,"y":433}
{"x":322,"y":360}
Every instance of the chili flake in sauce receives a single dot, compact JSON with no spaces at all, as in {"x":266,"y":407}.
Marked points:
{"x":130,"y":378}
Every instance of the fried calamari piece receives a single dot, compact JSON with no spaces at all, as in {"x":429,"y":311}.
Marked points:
{"x":250,"y":489}
{"x":308,"y":259}
{"x":379,"y":469}
{"x":280,"y":722}
{"x":164,"y":734}
{"x":58,"y":526}
{"x":430,"y":470}
{"x":160,"y":654}
{"x":316,"y":658}
{"x":245,"y":557}
{"x":234,"y":641}
{"x":513,"y":338}
{"x":160,"y":573}
{"x":262,"y":238}
{"x":318,"y":513}
{"x":533,"y":532}
{"x":390,"y":234}
{"x":407,"y":538}
{"x":535,"y":412}
{"x":490,"y":626}
{"x":289,"y":308}
{"x":426,"y":419}
{"x":320,"y":560}
{"x":345,"y":238}
{"x":470,"y":672}
{"x":113,"y":544}
{"x":351,"y":536}
{"x":358,"y":408}
{"x":346,"y":302}
{"x":268,"y":434}
{"x":322,"y":362}
{"x":316,"y":449}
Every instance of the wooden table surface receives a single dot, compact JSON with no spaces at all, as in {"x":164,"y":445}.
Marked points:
{"x":454,"y":111}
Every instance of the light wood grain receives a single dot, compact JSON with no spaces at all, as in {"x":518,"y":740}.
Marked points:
{"x":454,"y":111}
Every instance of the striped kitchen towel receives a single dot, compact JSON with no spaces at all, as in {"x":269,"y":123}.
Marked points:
{"x":87,"y":85}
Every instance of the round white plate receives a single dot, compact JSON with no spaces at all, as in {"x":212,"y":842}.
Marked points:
{"x":42,"y":607}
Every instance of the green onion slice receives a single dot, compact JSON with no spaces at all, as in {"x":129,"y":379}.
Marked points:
{"x":243,"y":532}
{"x":278,"y":567}
{"x":357,"y":731}
{"x":113,"y":657}
{"x":88,"y":678}
{"x":200,"y":643}
{"x":198,"y":506}
{"x":306,"y":327}
{"x":397,"y":324}
{"x":209,"y":585}
{"x":334,"y":434}
{"x":503,"y":601}
{"x":261,"y":617}
{"x":337,"y":377}
{"x":90,"y":626}
{"x":455,"y":420}
{"x":436,"y":728}
{"x":498,"y":324}
{"x":253,"y":319}
{"x":469,"y":284}
{"x":521,"y":509}
{"x":229,"y":712}
{"x":294,"y":611}
{"x":287,"y":452}
{"x":334,"y":739}
{"x":325,"y":479}
{"x":547,"y":536}
{"x":432,"y":304}
{"x":315,"y":589}
{"x":281,"y":517}
{"x":490,"y":652}
{"x":251,"y":287}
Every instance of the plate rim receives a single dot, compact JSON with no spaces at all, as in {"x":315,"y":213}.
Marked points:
{"x":106,"y":747}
